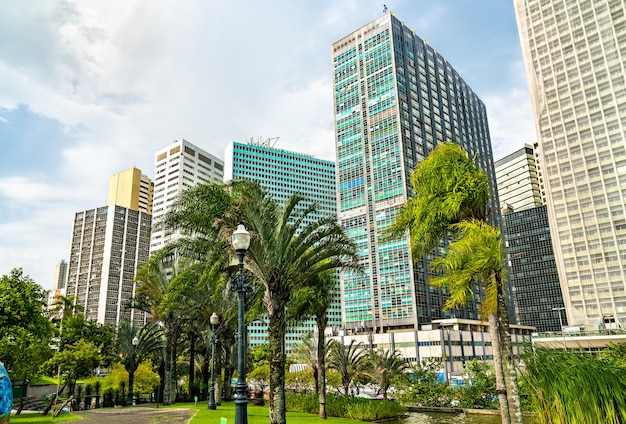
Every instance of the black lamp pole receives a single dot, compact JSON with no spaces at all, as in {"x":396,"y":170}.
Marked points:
{"x":131,"y":374}
{"x":241,"y":242}
{"x":214,"y":322}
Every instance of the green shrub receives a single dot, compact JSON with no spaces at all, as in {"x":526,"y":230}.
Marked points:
{"x":346,"y":406}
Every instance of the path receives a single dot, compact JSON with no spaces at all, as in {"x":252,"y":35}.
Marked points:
{"x":135,"y":415}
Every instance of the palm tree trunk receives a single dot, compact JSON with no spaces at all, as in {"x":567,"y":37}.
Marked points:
{"x":497,"y":362}
{"x":321,"y":364}
{"x":192,"y":364}
{"x":508,"y":363}
{"x":276,"y":331}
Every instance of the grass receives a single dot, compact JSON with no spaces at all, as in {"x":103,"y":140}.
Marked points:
{"x":32,"y":418}
{"x":256,"y":415}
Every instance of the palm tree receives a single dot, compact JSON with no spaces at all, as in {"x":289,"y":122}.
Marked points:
{"x":451,"y":199}
{"x":383,"y":366}
{"x":315,"y":299}
{"x":288,"y":248}
{"x":156,"y":294}
{"x":348,"y":361}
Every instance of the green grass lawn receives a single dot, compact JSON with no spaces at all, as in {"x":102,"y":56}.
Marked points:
{"x":40,"y":419}
{"x":256,"y":415}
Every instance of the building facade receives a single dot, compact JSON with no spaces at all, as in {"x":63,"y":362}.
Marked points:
{"x":576,"y":70}
{"x":178,"y":167}
{"x":395,"y":99}
{"x":282,"y":173}
{"x":108,"y":246}
{"x":517,"y":179}
{"x":533,"y":277}
{"x":131,"y":189}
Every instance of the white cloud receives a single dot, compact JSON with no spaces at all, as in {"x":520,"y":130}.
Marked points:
{"x":125,"y":80}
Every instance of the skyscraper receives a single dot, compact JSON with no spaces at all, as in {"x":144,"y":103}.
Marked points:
{"x":575,"y":64}
{"x":282,"y":173}
{"x":108,"y":246}
{"x":533,"y":277}
{"x":396,"y":98}
{"x":178,"y":167}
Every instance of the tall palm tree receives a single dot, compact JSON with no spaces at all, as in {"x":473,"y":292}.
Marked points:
{"x":348,"y":361}
{"x":287,"y":249}
{"x":383,"y":366}
{"x":451,"y":190}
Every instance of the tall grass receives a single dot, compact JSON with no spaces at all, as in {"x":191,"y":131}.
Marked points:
{"x":576,"y":387}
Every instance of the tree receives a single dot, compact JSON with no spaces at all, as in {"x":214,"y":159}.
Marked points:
{"x":315,"y":299}
{"x":287,"y":248}
{"x":451,"y":202}
{"x":383,"y":367}
{"x":25,"y":331}
{"x":479,"y":390}
{"x":348,"y":361}
{"x":74,"y":361}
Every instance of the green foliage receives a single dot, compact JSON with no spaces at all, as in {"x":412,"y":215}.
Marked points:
{"x":348,"y":361}
{"x":351,"y":407}
{"x":577,"y":387}
{"x":384,"y":367}
{"x":448,"y":188}
{"x":260,"y":375}
{"x":424,"y":387}
{"x":25,"y":330}
{"x":74,"y":361}
{"x":479,"y":390}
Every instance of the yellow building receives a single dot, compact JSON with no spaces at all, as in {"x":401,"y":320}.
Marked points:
{"x":131,"y":189}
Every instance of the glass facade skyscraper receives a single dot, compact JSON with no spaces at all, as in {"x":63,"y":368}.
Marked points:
{"x":575,"y":59}
{"x":282,"y":173}
{"x":395,"y":99}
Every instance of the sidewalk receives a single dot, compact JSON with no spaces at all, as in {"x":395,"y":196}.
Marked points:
{"x":136,"y":415}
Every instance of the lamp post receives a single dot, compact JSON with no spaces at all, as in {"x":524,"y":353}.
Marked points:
{"x":131,"y":374}
{"x":561,"y":323}
{"x":241,"y":242}
{"x":215,"y":320}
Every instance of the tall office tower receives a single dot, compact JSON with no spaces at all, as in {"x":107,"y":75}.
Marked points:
{"x":535,"y":287}
{"x":131,"y":189}
{"x":109,"y":244}
{"x":282,"y":173}
{"x":516,"y":176}
{"x":60,"y":276}
{"x":178,"y":167}
{"x":396,"y":98}
{"x":576,"y":69}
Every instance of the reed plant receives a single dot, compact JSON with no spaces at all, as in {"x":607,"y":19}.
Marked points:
{"x":576,"y":387}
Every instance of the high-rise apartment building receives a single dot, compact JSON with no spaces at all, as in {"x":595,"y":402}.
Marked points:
{"x":533,"y":277}
{"x":109,"y":244}
{"x":131,"y":189}
{"x":516,"y":176}
{"x":60,"y":276}
{"x":576,"y":69}
{"x":395,"y":99}
{"x":178,"y":167}
{"x":282,"y":173}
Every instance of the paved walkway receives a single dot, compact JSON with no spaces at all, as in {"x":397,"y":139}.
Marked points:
{"x":136,"y":415}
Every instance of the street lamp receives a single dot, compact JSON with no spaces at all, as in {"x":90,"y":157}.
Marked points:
{"x":214,"y":320}
{"x":241,"y":242}
{"x":561,"y":323}
{"x":131,"y":374}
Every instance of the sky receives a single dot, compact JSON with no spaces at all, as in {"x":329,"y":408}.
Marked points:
{"x":90,"y":88}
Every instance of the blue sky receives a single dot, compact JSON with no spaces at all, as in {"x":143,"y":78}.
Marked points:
{"x":90,"y":88}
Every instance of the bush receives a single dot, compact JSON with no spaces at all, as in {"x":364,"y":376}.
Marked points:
{"x":346,"y":406}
